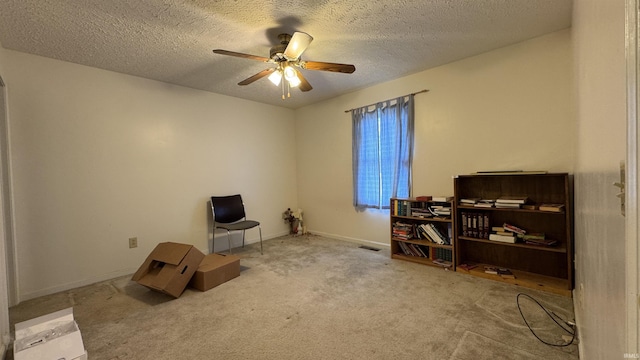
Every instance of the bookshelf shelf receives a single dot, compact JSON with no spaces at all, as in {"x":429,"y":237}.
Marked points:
{"x":415,"y":259}
{"x":411,"y":243}
{"x":548,"y":268}
{"x":436,"y":219}
{"x":473,"y":208}
{"x":540,"y":248}
{"x":423,"y":242}
{"x":527,"y":279}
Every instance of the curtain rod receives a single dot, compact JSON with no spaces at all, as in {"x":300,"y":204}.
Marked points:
{"x":415,"y":93}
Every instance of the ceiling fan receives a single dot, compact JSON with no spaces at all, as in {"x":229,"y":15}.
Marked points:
{"x":287,"y":57}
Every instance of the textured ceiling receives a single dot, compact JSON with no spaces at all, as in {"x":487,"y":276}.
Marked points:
{"x":171,"y":41}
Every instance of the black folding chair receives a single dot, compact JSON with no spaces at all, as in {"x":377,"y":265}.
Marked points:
{"x":228,"y":214}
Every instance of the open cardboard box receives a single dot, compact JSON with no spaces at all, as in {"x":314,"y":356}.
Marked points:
{"x":51,"y":336}
{"x":169,"y":268}
{"x":214,"y":270}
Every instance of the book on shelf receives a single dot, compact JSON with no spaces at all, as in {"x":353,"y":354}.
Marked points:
{"x":443,"y":263}
{"x":537,"y":239}
{"x":463,"y":218}
{"x":412,"y":250}
{"x":421,"y":252}
{"x":468,"y":266}
{"x":513,"y":199}
{"x":402,"y":231}
{"x":485,"y":203}
{"x":424,"y":198}
{"x":433,"y":234}
{"x":491,"y":269}
{"x":440,"y":210}
{"x":470,"y":201}
{"x":545,"y":242}
{"x":444,"y":237}
{"x":401,"y":207}
{"x":421,"y":212}
{"x":502,"y":232}
{"x":422,"y":233}
{"x":501,"y":205}
{"x":475,"y":224}
{"x":529,"y":206}
{"x":551,"y":207}
{"x":442,"y":198}
{"x":440,"y":253}
{"x":513,"y":228}
{"x":510,"y":239}
{"x":506,"y":273}
{"x":532,"y":236}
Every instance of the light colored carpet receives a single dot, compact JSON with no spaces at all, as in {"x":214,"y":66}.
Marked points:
{"x":312,"y":297}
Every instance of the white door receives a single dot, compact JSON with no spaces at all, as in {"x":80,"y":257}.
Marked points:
{"x":631,"y":179}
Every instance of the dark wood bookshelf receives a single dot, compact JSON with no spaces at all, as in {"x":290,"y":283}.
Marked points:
{"x":548,"y":268}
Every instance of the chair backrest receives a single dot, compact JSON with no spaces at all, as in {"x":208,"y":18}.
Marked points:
{"x":227,"y":209}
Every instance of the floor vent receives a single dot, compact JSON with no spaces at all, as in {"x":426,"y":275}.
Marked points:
{"x":368,"y":248}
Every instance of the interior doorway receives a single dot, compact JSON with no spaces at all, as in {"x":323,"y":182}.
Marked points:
{"x":631,"y":177}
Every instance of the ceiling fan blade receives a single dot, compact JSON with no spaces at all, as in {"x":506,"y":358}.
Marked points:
{"x":304,"y":84}
{"x":257,"y":76}
{"x":297,"y":45}
{"x":241,"y":55}
{"x":325,"y":66}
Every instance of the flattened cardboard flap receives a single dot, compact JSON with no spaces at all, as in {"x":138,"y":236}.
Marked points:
{"x":170,"y":253}
{"x":213,"y":261}
{"x":44,"y":322}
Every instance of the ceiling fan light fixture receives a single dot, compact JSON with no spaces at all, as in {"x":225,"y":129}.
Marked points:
{"x":294,"y":82}
{"x":276,"y":77}
{"x":290,"y":73}
{"x":297,"y":45}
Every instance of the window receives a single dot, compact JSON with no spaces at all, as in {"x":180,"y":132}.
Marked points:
{"x":382,"y":152}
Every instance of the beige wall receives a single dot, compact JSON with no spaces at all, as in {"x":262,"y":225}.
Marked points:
{"x":99,"y":157}
{"x":506,"y":109}
{"x":599,"y":42}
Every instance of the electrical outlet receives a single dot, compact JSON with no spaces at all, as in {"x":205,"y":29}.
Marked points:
{"x":133,"y":242}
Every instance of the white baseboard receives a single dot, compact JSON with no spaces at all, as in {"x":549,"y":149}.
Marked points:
{"x":76,"y":284}
{"x":115,"y":274}
{"x":129,"y":271}
{"x":350,"y":239}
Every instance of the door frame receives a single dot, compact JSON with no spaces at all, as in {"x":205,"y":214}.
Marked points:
{"x":632,"y":25}
{"x":6,"y":222}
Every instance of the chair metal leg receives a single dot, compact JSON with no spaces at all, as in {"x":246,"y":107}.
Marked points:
{"x":260,"y":230}
{"x":229,"y":238}
{"x":243,"y":238}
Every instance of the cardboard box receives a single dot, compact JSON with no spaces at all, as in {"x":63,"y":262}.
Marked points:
{"x":214,"y":270}
{"x":52,"y":336}
{"x":169,"y":268}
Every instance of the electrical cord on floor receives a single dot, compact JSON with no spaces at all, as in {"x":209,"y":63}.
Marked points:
{"x":554,"y":317}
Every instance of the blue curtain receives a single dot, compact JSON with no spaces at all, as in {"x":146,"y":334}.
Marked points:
{"x":382,"y":151}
